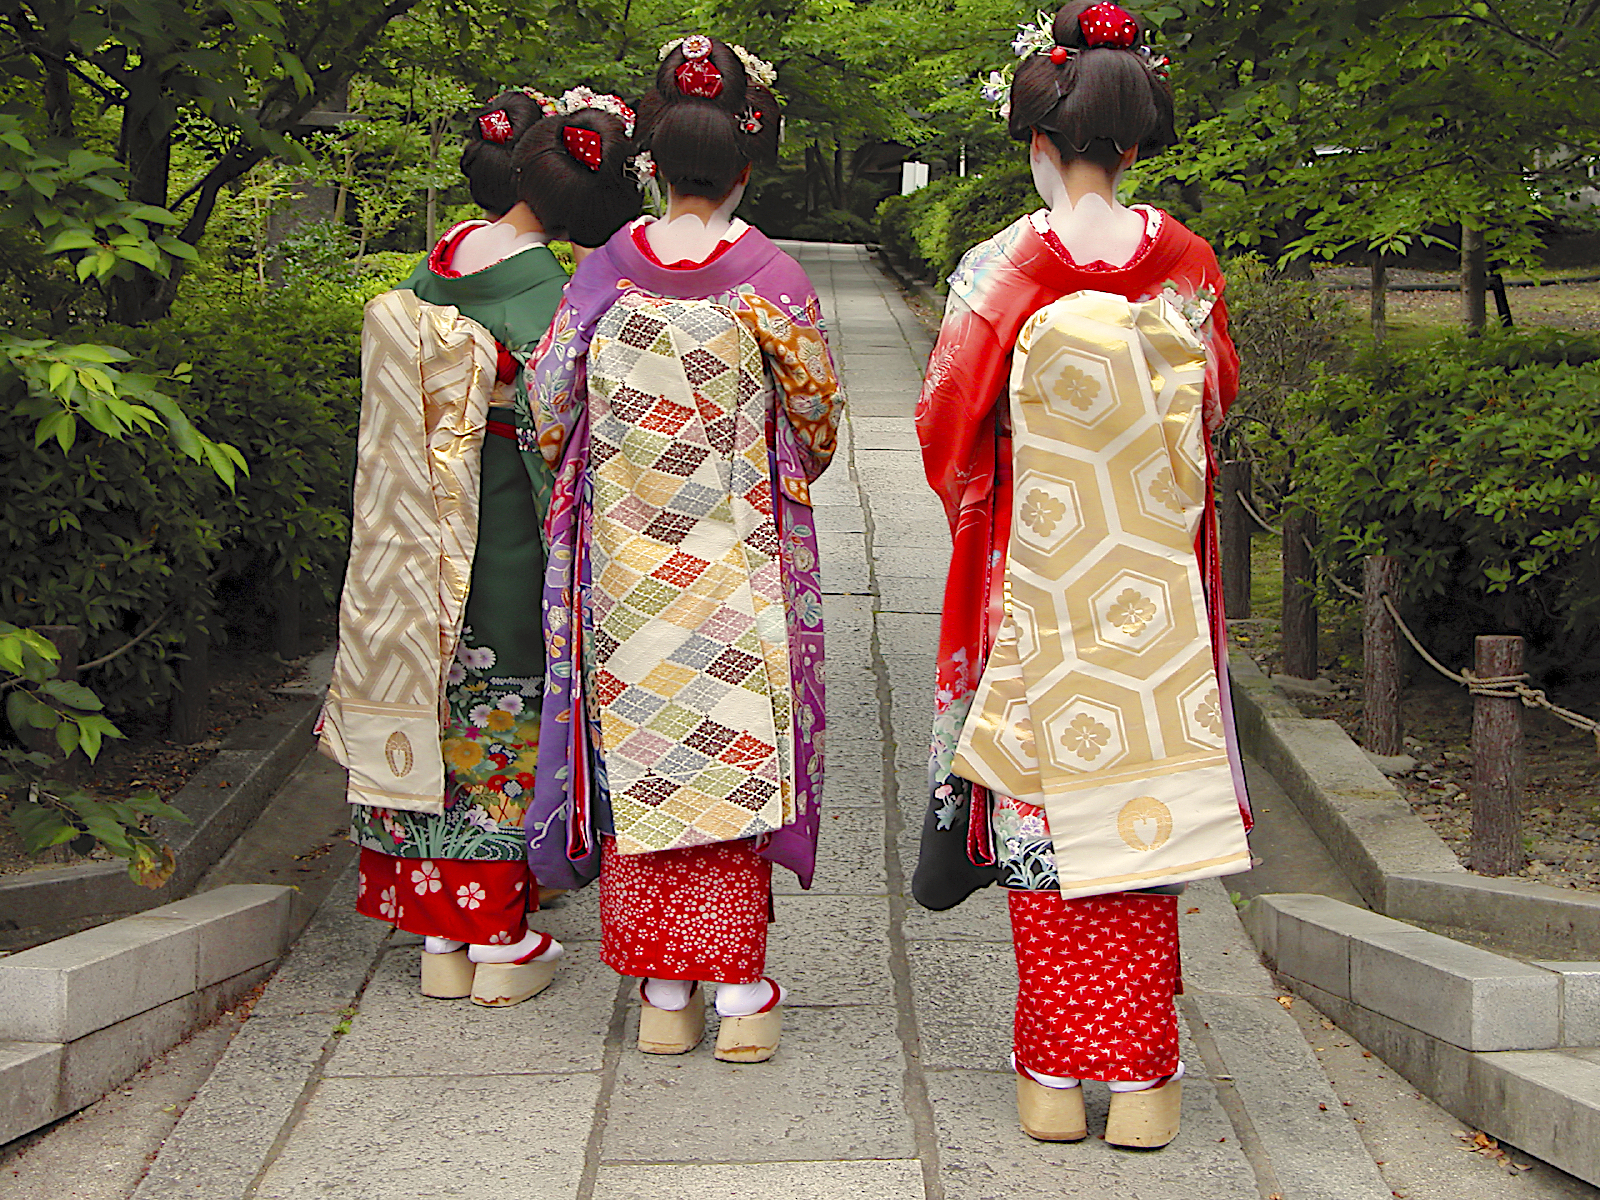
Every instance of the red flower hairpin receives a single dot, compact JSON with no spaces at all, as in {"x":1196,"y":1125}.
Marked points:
{"x":699,"y":77}
{"x":584,"y":145}
{"x":495,"y":126}
{"x":1108,"y":24}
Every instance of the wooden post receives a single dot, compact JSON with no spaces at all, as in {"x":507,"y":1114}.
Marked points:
{"x":1299,"y":619}
{"x":1474,"y":308}
{"x":194,"y":685}
{"x":1497,"y":770}
{"x":1233,"y":529}
{"x":1380,"y":299}
{"x":286,"y":623}
{"x":1380,"y":643}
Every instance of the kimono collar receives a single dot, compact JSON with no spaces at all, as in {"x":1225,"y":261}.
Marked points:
{"x":619,"y":266}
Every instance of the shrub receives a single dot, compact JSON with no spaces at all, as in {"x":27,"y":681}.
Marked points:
{"x":834,"y":225}
{"x":934,"y":226}
{"x":1477,"y":462}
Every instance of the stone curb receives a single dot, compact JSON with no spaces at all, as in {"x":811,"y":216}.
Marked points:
{"x":1398,"y":864}
{"x":81,"y":1014}
{"x":221,"y":799}
{"x":227,"y":1135}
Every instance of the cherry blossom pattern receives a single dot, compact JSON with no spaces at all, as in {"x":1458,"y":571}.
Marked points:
{"x":425,"y":878}
{"x":695,"y":913}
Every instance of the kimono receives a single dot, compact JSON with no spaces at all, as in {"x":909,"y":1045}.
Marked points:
{"x":1089,"y":939}
{"x":461,"y":872}
{"x":684,"y":879}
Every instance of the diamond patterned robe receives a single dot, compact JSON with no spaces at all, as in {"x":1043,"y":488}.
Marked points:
{"x":731,"y":610}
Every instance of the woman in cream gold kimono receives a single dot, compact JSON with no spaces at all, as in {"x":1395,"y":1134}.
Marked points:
{"x":1082,"y":753}
{"x":456,"y":871}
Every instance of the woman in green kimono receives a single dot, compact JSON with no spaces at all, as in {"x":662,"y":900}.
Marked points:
{"x":460,"y":878}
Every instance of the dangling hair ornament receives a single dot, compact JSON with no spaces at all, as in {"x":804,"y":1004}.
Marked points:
{"x":763,"y":73}
{"x":1160,"y":65}
{"x":642,"y":166}
{"x":584,"y":145}
{"x":1035,"y":37}
{"x":546,"y":105}
{"x":495,"y":127}
{"x":579,"y":98}
{"x":1108,"y":24}
{"x":751,"y":121}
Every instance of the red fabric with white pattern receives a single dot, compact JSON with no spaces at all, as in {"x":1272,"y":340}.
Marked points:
{"x":699,"y":912}
{"x":1096,"y":977}
{"x":484,"y":903}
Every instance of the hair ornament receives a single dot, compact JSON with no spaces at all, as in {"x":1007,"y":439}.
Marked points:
{"x":751,"y":121}
{"x":699,"y":77}
{"x":1108,"y":24}
{"x":642,"y":167}
{"x":696,"y":46}
{"x":1034,"y":37}
{"x":1058,"y":55}
{"x":495,"y":127}
{"x":546,"y":105}
{"x":579,"y":98}
{"x":1160,"y":65}
{"x":584,"y":145}
{"x":757,"y":69}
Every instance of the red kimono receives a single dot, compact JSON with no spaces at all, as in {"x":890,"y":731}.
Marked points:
{"x":1097,"y":973}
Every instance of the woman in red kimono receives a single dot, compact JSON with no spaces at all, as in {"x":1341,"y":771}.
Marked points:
{"x":1097,"y":972}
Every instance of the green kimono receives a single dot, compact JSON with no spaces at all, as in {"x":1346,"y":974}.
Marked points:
{"x":496,"y":684}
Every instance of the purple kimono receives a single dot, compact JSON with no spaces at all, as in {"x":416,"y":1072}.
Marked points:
{"x":770,"y":295}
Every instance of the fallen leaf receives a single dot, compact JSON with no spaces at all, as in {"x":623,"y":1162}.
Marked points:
{"x":1322,"y":1108}
{"x":1286,"y":1001}
{"x":1327,"y":1024}
{"x":1190,"y":911}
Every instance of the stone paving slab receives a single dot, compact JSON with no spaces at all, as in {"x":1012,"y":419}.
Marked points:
{"x":892,"y":1179}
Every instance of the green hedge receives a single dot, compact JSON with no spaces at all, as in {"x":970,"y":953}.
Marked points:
{"x":934,"y":226}
{"x":1477,"y":462}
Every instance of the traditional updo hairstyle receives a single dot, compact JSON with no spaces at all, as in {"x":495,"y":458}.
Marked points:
{"x":1098,"y":93}
{"x":572,"y":173}
{"x":706,"y":119}
{"x":492,"y":135}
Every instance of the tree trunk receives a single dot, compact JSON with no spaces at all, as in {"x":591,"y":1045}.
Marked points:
{"x":1380,"y":645}
{"x":1233,"y":481}
{"x":1474,"y":309}
{"x":1380,"y":299}
{"x":1299,"y":619}
{"x":1497,"y":762}
{"x":145,"y":149}
{"x":838,"y":176}
{"x":1502,"y":303}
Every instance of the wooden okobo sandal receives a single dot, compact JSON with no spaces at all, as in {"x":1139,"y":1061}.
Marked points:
{"x":1051,"y":1114}
{"x":447,"y":976}
{"x":668,"y":1031}
{"x":500,"y":985}
{"x":1146,"y":1120}
{"x":752,"y":1039}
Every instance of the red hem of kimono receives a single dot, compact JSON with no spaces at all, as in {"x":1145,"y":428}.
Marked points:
{"x":700,"y":912}
{"x":1096,"y":980}
{"x":483,"y":903}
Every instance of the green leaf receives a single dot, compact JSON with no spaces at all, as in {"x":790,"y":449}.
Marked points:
{"x":18,"y":704}
{"x":67,"y":736}
{"x":41,"y":715}
{"x":40,"y":827}
{"x":153,"y":805}
{"x":70,"y":239}
{"x":74,"y":695}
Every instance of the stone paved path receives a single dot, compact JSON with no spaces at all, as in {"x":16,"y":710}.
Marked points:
{"x":892,"y":1081}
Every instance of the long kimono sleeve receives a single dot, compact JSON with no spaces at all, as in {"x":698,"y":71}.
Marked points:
{"x":966,"y":379}
{"x":555,"y":388}
{"x":809,"y":388}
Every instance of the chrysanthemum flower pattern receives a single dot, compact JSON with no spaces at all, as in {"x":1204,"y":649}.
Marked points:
{"x":1131,"y":612}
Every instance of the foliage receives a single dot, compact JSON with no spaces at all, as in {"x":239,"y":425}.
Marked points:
{"x":1477,"y":462}
{"x":44,"y":709}
{"x":834,"y":225}
{"x":935,"y":225}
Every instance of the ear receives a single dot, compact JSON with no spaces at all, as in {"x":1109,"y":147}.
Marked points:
{"x":744,"y":177}
{"x":1129,"y":157}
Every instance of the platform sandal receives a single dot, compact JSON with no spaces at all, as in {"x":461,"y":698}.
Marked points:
{"x":1148,"y":1119}
{"x":671,"y":1031}
{"x":447,"y":976}
{"x":752,"y":1039}
{"x":1050,"y":1114}
{"x":500,"y":985}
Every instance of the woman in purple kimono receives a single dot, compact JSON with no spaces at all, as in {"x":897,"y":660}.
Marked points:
{"x":686,"y":397}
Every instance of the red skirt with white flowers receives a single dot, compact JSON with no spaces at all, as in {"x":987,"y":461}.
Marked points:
{"x":484,"y":903}
{"x":696,"y":913}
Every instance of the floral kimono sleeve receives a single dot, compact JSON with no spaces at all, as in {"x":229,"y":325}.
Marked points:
{"x":797,"y":352}
{"x":555,"y":388}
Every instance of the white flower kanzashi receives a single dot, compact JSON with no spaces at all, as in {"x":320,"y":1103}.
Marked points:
{"x":762,"y":72}
{"x":1034,"y":38}
{"x":545,"y":103}
{"x":579,"y":98}
{"x":643,"y":169}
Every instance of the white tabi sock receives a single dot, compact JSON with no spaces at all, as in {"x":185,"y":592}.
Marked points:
{"x":669,"y":995}
{"x":437,"y":945}
{"x":1144,"y":1085}
{"x":746,"y":999}
{"x":1049,"y":1081}
{"x":509,"y":954}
